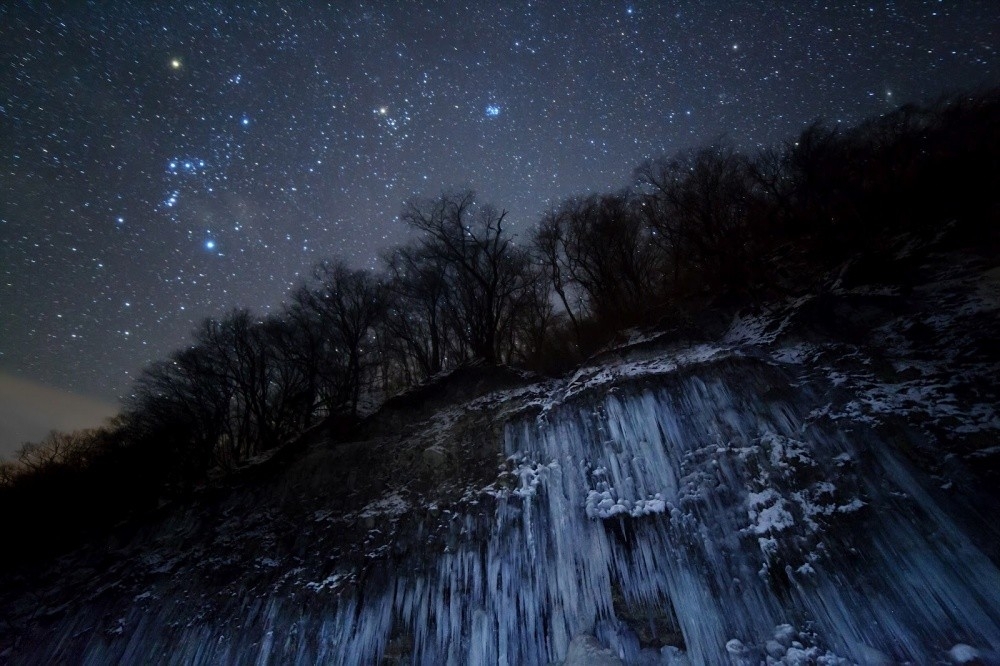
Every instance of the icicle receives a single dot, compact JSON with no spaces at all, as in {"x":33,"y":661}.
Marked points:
{"x":759,"y":536}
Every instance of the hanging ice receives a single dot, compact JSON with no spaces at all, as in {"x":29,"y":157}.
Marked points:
{"x":712,"y":506}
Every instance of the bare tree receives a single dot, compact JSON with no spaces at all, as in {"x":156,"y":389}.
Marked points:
{"x":348,"y":305}
{"x":50,"y":451}
{"x":488,"y":275}
{"x":418,"y":306}
{"x":181,"y":408}
{"x":698,"y":204}
{"x":300,"y":345}
{"x":535,"y":318}
{"x":598,"y":257}
{"x":550,"y":243}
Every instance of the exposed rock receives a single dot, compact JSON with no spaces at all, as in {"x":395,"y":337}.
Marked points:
{"x":435,"y":457}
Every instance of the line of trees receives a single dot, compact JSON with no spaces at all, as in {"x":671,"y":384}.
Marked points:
{"x":460,"y":291}
{"x":707,"y":229}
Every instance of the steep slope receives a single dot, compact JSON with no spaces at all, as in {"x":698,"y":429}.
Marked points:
{"x":815,"y":487}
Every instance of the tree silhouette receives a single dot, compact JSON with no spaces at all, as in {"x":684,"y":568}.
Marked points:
{"x":348,"y":305}
{"x":598,"y":257}
{"x":418,"y":306}
{"x":488,"y":276}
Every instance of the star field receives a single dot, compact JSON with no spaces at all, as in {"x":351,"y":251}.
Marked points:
{"x":163,"y":162}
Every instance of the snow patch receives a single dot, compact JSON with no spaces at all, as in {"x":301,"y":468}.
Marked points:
{"x":392,"y":505}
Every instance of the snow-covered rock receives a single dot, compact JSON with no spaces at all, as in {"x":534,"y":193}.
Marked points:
{"x":584,"y":650}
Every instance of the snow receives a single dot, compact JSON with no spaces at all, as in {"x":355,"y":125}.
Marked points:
{"x":768,"y":512}
{"x":391,"y":505}
{"x":961,"y":653}
{"x":585,"y":650}
{"x":735,"y":647}
{"x":331,"y":582}
{"x":606,"y":504}
{"x":589,"y":378}
{"x":795,"y":354}
{"x":776,"y":527}
{"x":697,"y":497}
{"x":988,"y":452}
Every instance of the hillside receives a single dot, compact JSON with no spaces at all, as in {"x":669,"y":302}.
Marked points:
{"x":814,"y":485}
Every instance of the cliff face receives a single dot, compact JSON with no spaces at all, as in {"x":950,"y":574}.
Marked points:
{"x":816,"y":486}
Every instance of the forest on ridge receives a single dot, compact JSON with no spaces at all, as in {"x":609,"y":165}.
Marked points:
{"x":697,"y":237}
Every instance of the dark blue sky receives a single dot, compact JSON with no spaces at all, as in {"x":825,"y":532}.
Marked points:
{"x":162,"y":162}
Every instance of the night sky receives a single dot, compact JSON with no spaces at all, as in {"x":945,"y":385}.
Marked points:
{"x":162,"y":162}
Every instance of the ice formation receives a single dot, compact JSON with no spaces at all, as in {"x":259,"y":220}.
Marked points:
{"x":755,"y":533}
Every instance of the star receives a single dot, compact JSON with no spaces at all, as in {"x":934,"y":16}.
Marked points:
{"x":342,"y":112}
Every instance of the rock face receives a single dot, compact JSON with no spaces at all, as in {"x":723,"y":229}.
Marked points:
{"x":770,"y":498}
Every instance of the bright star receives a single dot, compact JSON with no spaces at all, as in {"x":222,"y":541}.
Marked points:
{"x":175,"y":63}
{"x":245,"y":121}
{"x":210,"y":245}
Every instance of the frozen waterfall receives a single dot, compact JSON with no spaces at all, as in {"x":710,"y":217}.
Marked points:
{"x":679,"y":520}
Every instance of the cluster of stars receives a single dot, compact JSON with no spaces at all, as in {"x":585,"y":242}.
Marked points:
{"x":189,"y":166}
{"x":187,"y":159}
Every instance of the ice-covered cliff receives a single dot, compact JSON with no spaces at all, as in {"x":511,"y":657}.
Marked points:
{"x":817,"y":487}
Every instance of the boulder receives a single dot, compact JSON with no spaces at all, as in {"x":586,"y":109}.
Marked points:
{"x":434,"y":457}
